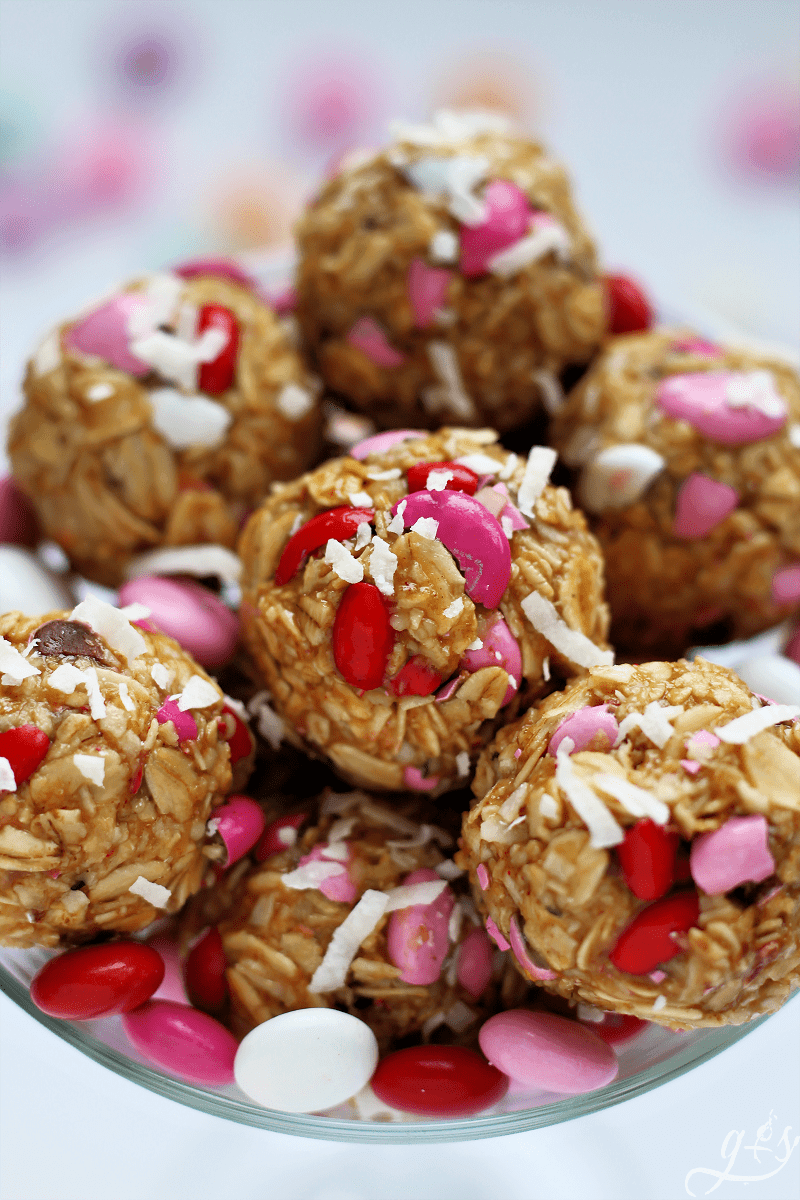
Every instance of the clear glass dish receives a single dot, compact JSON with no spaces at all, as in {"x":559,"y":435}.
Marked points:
{"x":646,"y":1061}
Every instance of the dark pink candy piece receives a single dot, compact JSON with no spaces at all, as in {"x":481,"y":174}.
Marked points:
{"x":547,"y":1051}
{"x":508,"y":214}
{"x":497,"y":936}
{"x":738,"y":852}
{"x":240,"y":823}
{"x":417,"y":782}
{"x":701,"y":399}
{"x":472,"y":535}
{"x":217,"y":266}
{"x":271,"y":841}
{"x":520,"y":952}
{"x":581,"y":727}
{"x":500,"y":649}
{"x":786,"y":585}
{"x":189,"y":612}
{"x":335,"y":887}
{"x":698,"y":345}
{"x":380,"y":442}
{"x":427,"y":288}
{"x":184,"y":1041}
{"x":104,"y":333}
{"x":184,"y":722}
{"x":18,"y":525}
{"x":417,"y":937}
{"x":474,"y":969}
{"x":701,"y":505}
{"x":368,"y":337}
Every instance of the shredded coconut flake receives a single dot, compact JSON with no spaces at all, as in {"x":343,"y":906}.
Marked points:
{"x":48,"y":355}
{"x":99,"y":391}
{"x":360,"y":499}
{"x":426,"y":527}
{"x":477,"y":644}
{"x":448,"y":870}
{"x":357,"y":925}
{"x":7,"y":781}
{"x":391,"y":473}
{"x":573,"y":644}
{"x":443,"y":247}
{"x":794,"y":435}
{"x":481,"y":464}
{"x":548,"y":807}
{"x":552,"y":392}
{"x":603,"y":828}
{"x":462,"y":764}
{"x":341,"y":560}
{"x":311,"y":875}
{"x":287,"y":836}
{"x":197,"y":693}
{"x":740,"y":730}
{"x":412,"y":894}
{"x":14,"y":665}
{"x":654,"y":722}
{"x":187,"y":560}
{"x":455,"y":178}
{"x":185,"y":421}
{"x":269,"y":724}
{"x":540,"y":241}
{"x":637,"y":801}
{"x":382,"y":565}
{"x":541,"y":461}
{"x":111,"y":625}
{"x":450,"y":395}
{"x":161,"y":675}
{"x":455,"y":609}
{"x":153,"y":893}
{"x":659,"y":1003}
{"x":294,"y":401}
{"x":397,"y":524}
{"x":91,"y":766}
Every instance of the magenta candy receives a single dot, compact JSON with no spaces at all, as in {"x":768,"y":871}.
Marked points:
{"x":189,"y":612}
{"x":380,"y":442}
{"x":417,"y":937}
{"x":184,"y":1041}
{"x":368,"y":337}
{"x":272,"y":842}
{"x":548,"y":1052}
{"x":701,"y":398}
{"x":695,"y":345}
{"x":581,"y":727}
{"x":701,"y":504}
{"x":510,"y":511}
{"x":520,"y":952}
{"x":786,"y":585}
{"x":738,"y":852}
{"x":217,"y":266}
{"x":184,"y":722}
{"x":104,"y":333}
{"x":240,"y":823}
{"x":500,"y":649}
{"x":427,"y":289}
{"x":335,"y":887}
{"x":474,"y":969}
{"x":472,"y":535}
{"x":497,"y":936}
{"x":417,"y":782}
{"x":18,"y":524}
{"x":508,"y":214}
{"x":483,"y":876}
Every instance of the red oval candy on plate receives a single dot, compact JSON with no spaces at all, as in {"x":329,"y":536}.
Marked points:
{"x":438,"y":1081}
{"x":98,"y":981}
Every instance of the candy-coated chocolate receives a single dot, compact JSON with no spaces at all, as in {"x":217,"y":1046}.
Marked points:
{"x":204,"y":973}
{"x":183,"y":1040}
{"x":647,"y":858}
{"x":520,"y":951}
{"x":236,"y":733}
{"x":18,"y":522}
{"x":417,"y":937}
{"x":24,"y":747}
{"x":172,"y":986}
{"x":474,"y":968}
{"x":216,"y":376}
{"x":427,"y":289}
{"x":463,"y":479}
{"x":336,"y":887}
{"x":338,"y":523}
{"x":279,"y":835}
{"x":701,"y":504}
{"x":731,"y":408}
{"x":500,"y":649}
{"x":362,"y":636}
{"x":370,"y":338}
{"x":507,"y":217}
{"x":306,"y":1060}
{"x":98,"y":981}
{"x":617,"y":1027}
{"x":582,"y":727}
{"x":239,"y":822}
{"x":648,"y":940}
{"x":627,"y":305}
{"x":27,"y":586}
{"x":438,"y":1081}
{"x":415,"y":678}
{"x":417,"y":782}
{"x":544,"y":1050}
{"x":184,"y":722}
{"x":738,"y":852}
{"x":381,"y":442}
{"x":104,"y":333}
{"x":189,"y":612}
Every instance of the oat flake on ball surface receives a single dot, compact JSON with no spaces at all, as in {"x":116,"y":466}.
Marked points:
{"x":636,"y":839}
{"x":398,"y":603}
{"x":448,"y":278}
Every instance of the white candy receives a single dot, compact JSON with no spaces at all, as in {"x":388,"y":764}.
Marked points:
{"x":773,"y":676}
{"x":26,"y":586}
{"x":618,"y":476}
{"x":306,"y":1060}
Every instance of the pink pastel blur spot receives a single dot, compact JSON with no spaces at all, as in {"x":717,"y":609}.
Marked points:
{"x":701,"y":505}
{"x":184,"y":722}
{"x":189,"y":612}
{"x":368,"y":337}
{"x":414,"y":779}
{"x":520,"y":952}
{"x":658,"y":976}
{"x":500,"y":649}
{"x":417,"y":937}
{"x":583,"y":725}
{"x":786,"y":585}
{"x":701,"y":399}
{"x":738,"y":852}
{"x":284,"y":302}
{"x":335,"y":887}
{"x":518,"y":753}
{"x":690,"y":765}
{"x":508,"y":215}
{"x":99,"y":167}
{"x":380,"y":442}
{"x":171,"y":987}
{"x":427,"y":288}
{"x":240,"y":823}
{"x":18,"y":525}
{"x":104,"y":333}
{"x":474,"y":969}
{"x":331,"y":100}
{"x":494,"y":933}
{"x":483,"y":876}
{"x":218,"y":266}
{"x":697,"y":346}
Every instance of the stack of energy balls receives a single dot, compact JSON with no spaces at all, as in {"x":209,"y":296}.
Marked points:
{"x":428,"y":610}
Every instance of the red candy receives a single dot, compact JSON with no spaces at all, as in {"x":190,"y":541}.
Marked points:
{"x":362,"y":636}
{"x":647,"y":858}
{"x":438,"y":1081}
{"x":216,"y":376}
{"x":24,"y":746}
{"x":616,"y":1027}
{"x":204,"y":973}
{"x":338,"y":523}
{"x":271,"y":842}
{"x":464,"y":479}
{"x":647,"y":941}
{"x":239,"y":738}
{"x":416,"y":678}
{"x":98,"y":981}
{"x":628,"y":308}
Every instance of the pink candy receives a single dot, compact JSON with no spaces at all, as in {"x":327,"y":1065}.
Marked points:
{"x":368,"y":337}
{"x":17,"y":518}
{"x":581,"y":727}
{"x":417,"y":937}
{"x":417,"y":782}
{"x":190,"y":613}
{"x":497,"y":936}
{"x":184,"y":722}
{"x":695,"y":345}
{"x":520,"y":952}
{"x":183,"y":1040}
{"x":427,"y":288}
{"x":172,"y":986}
{"x":500,"y":649}
{"x":738,"y":852}
{"x":701,"y":505}
{"x":703,"y":399}
{"x":104,"y":333}
{"x":279,"y":835}
{"x":508,"y":214}
{"x":483,"y":876}
{"x":218,"y":266}
{"x":335,"y":887}
{"x":240,"y":823}
{"x":786,"y":585}
{"x":547,"y":1052}
{"x":474,"y":969}
{"x":380,"y":442}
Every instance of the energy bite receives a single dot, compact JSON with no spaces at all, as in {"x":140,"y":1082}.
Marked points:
{"x":449,"y":277}
{"x":112,"y":756}
{"x":159,"y":419}
{"x":688,"y":456}
{"x":398,"y":602}
{"x":636,"y":839}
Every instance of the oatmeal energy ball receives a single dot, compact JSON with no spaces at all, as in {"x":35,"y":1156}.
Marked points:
{"x":448,"y":278}
{"x":112,"y":755}
{"x":637,"y":840}
{"x":398,"y":602}
{"x":689,"y":469}
{"x":358,"y":913}
{"x":160,"y":418}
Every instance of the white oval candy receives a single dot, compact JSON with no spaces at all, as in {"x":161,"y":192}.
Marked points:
{"x":306,"y":1060}
{"x":26,"y":586}
{"x":773,"y":676}
{"x":618,"y":476}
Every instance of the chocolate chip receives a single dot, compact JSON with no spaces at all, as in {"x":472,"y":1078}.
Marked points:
{"x":71,"y":639}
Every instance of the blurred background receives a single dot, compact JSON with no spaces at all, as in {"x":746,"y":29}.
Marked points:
{"x":133,"y":134}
